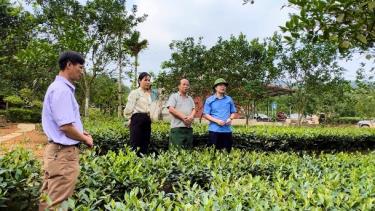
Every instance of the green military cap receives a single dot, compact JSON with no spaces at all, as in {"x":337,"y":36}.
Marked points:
{"x":220,"y":81}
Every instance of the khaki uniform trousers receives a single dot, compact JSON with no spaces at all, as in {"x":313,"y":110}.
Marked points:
{"x":61,"y":170}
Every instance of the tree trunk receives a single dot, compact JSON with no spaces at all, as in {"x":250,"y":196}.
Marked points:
{"x":135,"y":71}
{"x":88,"y":83}
{"x":247,"y":112}
{"x":255,"y":108}
{"x":86,"y":95}
{"x":299,"y":123}
{"x":301,"y":109}
{"x":119,"y":108}
{"x":87,"y":99}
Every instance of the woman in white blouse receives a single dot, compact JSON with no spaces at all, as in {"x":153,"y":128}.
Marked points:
{"x":137,"y":111}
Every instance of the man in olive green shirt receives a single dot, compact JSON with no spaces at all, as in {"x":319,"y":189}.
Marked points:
{"x":182,"y":109}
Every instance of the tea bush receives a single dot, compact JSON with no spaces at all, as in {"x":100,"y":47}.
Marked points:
{"x":20,"y":180}
{"x":112,"y":135}
{"x":206,"y":179}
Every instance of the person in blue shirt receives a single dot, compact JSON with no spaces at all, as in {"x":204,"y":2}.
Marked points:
{"x":219,"y":109}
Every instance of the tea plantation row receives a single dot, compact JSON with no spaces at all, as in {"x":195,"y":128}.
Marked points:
{"x":112,"y":135}
{"x":202,"y":180}
{"x":255,"y":175}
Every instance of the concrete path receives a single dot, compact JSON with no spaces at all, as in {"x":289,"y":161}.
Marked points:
{"x":22,"y":128}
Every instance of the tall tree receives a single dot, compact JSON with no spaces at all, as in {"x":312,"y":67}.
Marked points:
{"x":247,"y":65}
{"x":92,"y":29}
{"x":104,"y":93}
{"x":100,"y":17}
{"x":66,"y":24}
{"x":36,"y":71}
{"x":330,"y":97}
{"x":308,"y":69}
{"x":347,"y":23}
{"x":122,"y":25}
{"x":18,"y":30}
{"x":135,"y":46}
{"x":187,"y":61}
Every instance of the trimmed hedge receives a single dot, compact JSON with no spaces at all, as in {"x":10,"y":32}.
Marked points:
{"x":3,"y":112}
{"x":113,"y":136}
{"x":23,"y":115}
{"x":14,"y":100}
{"x":344,"y":120}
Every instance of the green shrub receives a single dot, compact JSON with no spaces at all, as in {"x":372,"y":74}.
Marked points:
{"x":344,"y":120}
{"x":20,"y":180}
{"x":23,"y":115}
{"x":14,"y":100}
{"x":97,"y":114}
{"x":26,"y":94}
{"x":113,"y":135}
{"x":208,"y":180}
{"x":3,"y":112}
{"x":37,"y":104}
{"x":205,"y":180}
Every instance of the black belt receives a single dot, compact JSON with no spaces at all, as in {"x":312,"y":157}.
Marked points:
{"x":190,"y":128}
{"x":143,"y":113}
{"x":62,"y":145}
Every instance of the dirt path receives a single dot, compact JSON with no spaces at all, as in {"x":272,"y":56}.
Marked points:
{"x":21,"y":129}
{"x":33,"y":140}
{"x":9,"y":128}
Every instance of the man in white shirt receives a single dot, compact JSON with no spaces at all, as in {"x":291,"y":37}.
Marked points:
{"x":182,"y":109}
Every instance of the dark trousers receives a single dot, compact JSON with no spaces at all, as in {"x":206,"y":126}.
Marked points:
{"x":181,"y":137}
{"x":221,"y":140}
{"x":140,"y":132}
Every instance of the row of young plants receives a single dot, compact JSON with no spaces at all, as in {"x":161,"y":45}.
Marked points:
{"x":203,"y":179}
{"x":112,"y":135}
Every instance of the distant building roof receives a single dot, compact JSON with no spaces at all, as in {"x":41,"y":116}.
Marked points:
{"x":274,"y":90}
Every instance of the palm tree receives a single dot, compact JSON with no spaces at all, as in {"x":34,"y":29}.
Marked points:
{"x":135,"y":45}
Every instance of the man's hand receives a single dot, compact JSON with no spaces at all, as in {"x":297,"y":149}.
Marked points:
{"x":127,"y":123}
{"x":229,"y":121}
{"x":187,"y":121}
{"x":88,"y":140}
{"x":220,"y":122}
{"x":71,"y":132}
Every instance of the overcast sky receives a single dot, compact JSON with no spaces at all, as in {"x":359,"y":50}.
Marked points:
{"x":177,"y":19}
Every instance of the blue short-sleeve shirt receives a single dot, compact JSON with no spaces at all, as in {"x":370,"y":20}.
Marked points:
{"x":220,"y":109}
